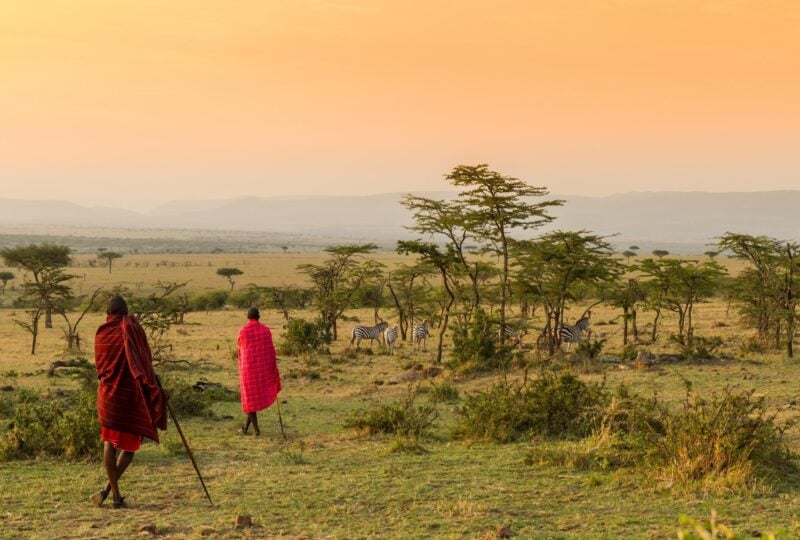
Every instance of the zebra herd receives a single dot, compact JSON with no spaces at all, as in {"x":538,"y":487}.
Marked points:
{"x":568,"y":334}
{"x":419,"y":333}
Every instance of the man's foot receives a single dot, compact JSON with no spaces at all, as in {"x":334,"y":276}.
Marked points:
{"x":258,"y":434}
{"x":243,"y":431}
{"x":120,"y":503}
{"x":99,"y":496}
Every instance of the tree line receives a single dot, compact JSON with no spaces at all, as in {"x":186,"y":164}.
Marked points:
{"x":470,"y":267}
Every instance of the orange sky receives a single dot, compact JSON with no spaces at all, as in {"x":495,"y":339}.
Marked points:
{"x":158,"y":99}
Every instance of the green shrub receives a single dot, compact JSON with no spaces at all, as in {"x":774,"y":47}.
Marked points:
{"x":444,"y":392}
{"x":49,"y":428}
{"x":402,"y":418}
{"x":208,"y":300}
{"x":303,"y":337}
{"x":553,"y":406}
{"x":725,"y":442}
{"x":188,"y":401}
{"x":476,"y":346}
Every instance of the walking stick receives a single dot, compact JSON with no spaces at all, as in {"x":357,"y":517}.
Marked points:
{"x":188,"y":450}
{"x":280,"y":418}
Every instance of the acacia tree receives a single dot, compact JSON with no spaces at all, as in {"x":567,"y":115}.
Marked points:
{"x":444,"y":262}
{"x":409,"y":288}
{"x":628,"y":254}
{"x":627,"y":294}
{"x":71,"y":335}
{"x":157,"y":313}
{"x":108,"y":257}
{"x":496,"y":206}
{"x":228,"y":274}
{"x":766,"y":291}
{"x":5,"y":277}
{"x":557,"y":266}
{"x":284,"y":299}
{"x":336,"y":280}
{"x":45,"y":262}
{"x":660,"y":253}
{"x":447,"y":219}
{"x":684,"y":284}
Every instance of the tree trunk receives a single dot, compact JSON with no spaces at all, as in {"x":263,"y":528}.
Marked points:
{"x":445,"y":319}
{"x":625,"y":325}
{"x":654,"y":334}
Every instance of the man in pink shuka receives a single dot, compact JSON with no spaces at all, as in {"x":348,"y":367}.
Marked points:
{"x":259,"y":380}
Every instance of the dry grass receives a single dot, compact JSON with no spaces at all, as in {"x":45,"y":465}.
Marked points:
{"x":352,"y":487}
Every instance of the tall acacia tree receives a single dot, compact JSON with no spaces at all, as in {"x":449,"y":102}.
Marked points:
{"x":447,"y":219}
{"x":496,"y":205}
{"x":46,"y":263}
{"x":229,"y":273}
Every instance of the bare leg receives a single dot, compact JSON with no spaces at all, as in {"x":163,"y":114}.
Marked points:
{"x":110,"y":462}
{"x":252,"y":417}
{"x":123,"y":460}
{"x":246,"y":425}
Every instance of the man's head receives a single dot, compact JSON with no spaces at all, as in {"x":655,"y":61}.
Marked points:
{"x":253,"y":314}
{"x":116,"y":306}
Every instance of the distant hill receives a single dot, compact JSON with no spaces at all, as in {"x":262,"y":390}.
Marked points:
{"x":671,"y":219}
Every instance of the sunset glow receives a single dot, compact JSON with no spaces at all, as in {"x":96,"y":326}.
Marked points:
{"x":154,"y":99}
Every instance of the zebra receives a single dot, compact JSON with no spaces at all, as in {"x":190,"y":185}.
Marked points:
{"x":419,"y":333}
{"x":573,"y":334}
{"x":514,"y":333}
{"x":389,"y":338}
{"x":367,"y":332}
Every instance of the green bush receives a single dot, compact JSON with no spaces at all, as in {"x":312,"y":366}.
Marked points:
{"x":244,"y":298}
{"x":188,"y":401}
{"x":444,"y":392}
{"x":50,"y":428}
{"x":303,"y":337}
{"x":402,"y":418}
{"x":208,"y":300}
{"x":476,"y":346}
{"x":553,"y":406}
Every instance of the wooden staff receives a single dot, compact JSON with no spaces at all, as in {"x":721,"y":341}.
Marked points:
{"x":280,"y":418}
{"x":189,"y":450}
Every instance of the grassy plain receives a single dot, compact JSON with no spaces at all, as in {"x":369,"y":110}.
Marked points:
{"x":327,"y":482}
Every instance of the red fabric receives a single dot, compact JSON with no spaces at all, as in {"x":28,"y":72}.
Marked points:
{"x":259,"y":380}
{"x":121,"y":440}
{"x":128,"y":398}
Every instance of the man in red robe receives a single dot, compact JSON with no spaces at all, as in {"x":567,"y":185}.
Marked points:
{"x":259,"y":380}
{"x":130,"y":402}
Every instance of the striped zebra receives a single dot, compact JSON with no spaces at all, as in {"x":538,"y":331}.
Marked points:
{"x":367,"y":332}
{"x":419,"y":333}
{"x":390,"y":337}
{"x":514,"y":333}
{"x":573,"y":334}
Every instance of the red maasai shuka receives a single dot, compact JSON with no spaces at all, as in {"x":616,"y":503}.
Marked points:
{"x":259,"y":380}
{"x":129,"y":398}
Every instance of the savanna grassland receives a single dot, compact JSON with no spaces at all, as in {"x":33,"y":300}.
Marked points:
{"x":326,"y":481}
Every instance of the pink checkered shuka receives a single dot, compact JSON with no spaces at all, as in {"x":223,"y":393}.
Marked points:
{"x":259,"y":380}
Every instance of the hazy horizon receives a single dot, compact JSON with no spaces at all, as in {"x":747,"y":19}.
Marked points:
{"x":164,"y":100}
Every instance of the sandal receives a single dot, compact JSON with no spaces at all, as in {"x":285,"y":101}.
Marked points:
{"x":119,"y":504}
{"x":99,"y":497}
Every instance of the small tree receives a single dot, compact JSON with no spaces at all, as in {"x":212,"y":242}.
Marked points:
{"x":444,"y":261}
{"x":228,"y":274}
{"x":45,"y":262}
{"x":660,"y":253}
{"x":628,"y":254}
{"x":108,"y":257}
{"x":71,"y":335}
{"x":634,"y":248}
{"x":711,"y":254}
{"x":558,"y":266}
{"x":5,"y":277}
{"x":336,"y":280}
